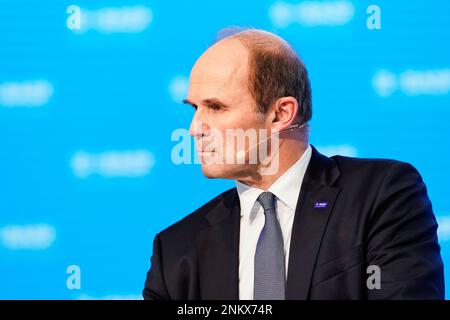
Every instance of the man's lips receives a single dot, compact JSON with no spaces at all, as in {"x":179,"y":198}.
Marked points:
{"x":205,"y":146}
{"x":205,"y":149}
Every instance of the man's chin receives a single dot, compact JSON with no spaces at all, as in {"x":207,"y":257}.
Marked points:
{"x":231,"y":172}
{"x":213,"y":171}
{"x":210,"y":168}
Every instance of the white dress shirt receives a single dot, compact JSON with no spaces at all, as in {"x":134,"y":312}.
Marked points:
{"x":286,"y":189}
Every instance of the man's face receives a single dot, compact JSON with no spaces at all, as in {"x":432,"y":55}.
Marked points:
{"x":218,"y":89}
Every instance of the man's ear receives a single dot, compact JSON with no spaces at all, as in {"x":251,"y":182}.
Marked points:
{"x":285,"y":111}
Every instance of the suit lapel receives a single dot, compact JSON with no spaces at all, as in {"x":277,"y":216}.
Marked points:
{"x":218,"y":244}
{"x":218,"y":251}
{"x":313,"y":210}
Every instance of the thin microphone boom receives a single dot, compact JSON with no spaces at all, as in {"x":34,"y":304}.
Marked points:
{"x":241,"y":153}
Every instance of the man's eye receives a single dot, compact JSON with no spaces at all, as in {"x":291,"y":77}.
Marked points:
{"x":215,"y":107}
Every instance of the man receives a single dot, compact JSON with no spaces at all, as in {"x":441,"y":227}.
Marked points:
{"x":312,"y":228}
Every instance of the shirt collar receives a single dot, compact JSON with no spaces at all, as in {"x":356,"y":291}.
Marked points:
{"x":286,"y":188}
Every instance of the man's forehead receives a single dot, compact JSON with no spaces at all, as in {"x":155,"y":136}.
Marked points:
{"x":228,"y":85}
{"x":215,"y":78}
{"x":214,"y":82}
{"x":220,"y":71}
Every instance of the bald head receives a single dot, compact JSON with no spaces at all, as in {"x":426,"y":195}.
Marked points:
{"x":254,"y":38}
{"x":274,"y":68}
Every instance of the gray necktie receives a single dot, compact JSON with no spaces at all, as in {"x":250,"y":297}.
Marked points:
{"x":269,"y":282}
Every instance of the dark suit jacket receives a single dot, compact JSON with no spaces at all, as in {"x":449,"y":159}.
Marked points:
{"x":377,"y":213}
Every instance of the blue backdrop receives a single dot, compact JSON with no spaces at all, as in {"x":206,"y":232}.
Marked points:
{"x":90,"y":94}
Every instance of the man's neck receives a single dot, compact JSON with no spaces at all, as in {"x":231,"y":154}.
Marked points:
{"x":289,"y":153}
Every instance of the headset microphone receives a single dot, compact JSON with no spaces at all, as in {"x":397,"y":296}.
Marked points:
{"x":241,"y":153}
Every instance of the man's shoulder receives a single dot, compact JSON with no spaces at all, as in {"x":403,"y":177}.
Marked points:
{"x":357,"y":161}
{"x":353,"y":168}
{"x":196,"y":221}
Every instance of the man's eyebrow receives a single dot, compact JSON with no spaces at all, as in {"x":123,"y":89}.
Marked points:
{"x":215,"y":102}
{"x":208,"y":102}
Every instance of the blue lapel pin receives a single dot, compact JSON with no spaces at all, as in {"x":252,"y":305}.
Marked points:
{"x":320,"y":205}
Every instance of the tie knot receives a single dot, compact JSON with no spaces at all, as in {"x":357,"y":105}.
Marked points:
{"x":267,"y":200}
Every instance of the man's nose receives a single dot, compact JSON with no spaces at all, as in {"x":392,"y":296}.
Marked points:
{"x":198,"y":127}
